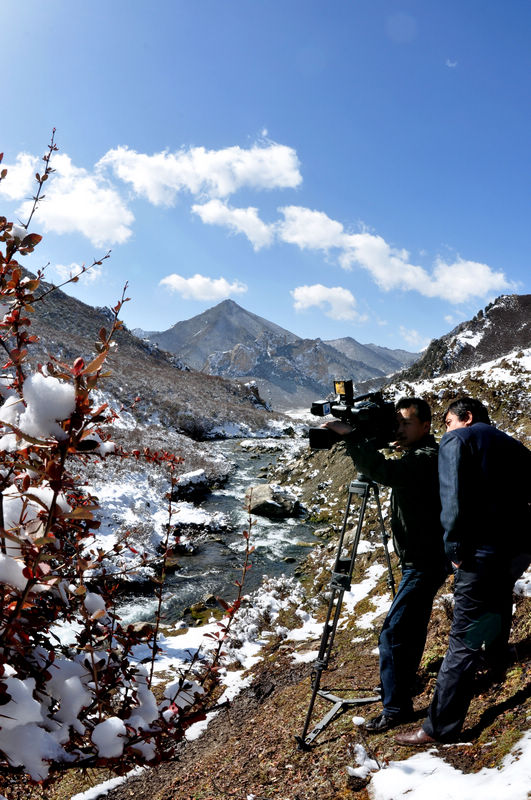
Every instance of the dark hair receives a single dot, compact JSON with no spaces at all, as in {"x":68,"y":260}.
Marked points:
{"x":422,"y":409}
{"x":464,"y":405}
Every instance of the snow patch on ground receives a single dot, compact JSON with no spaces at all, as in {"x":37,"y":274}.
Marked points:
{"x":426,"y":775}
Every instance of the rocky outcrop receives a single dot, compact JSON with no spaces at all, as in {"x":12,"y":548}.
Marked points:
{"x":500,"y":328}
{"x":273,"y":501}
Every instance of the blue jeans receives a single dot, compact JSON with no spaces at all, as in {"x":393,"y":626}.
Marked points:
{"x":403,"y":637}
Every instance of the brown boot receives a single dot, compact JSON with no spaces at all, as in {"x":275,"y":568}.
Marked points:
{"x":414,"y":738}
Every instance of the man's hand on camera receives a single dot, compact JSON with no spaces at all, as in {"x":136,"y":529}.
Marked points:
{"x":339,"y":427}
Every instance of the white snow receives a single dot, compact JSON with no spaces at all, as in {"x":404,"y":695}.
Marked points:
{"x":366,"y":764}
{"x":427,"y":775}
{"x":11,"y":572}
{"x":48,"y":400}
{"x":108,"y":736}
{"x":360,"y":590}
{"x":470,"y":338}
{"x":305,"y":657}
{"x":512,"y":368}
{"x":104,"y":788}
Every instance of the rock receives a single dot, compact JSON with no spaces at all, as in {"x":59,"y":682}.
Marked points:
{"x":191,"y":486}
{"x":262,"y":445}
{"x":273,"y":501}
{"x":324,"y":532}
{"x":210,"y":600}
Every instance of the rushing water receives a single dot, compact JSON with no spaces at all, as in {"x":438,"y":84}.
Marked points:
{"x":216,"y":561}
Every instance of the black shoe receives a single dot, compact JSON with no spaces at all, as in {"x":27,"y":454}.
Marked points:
{"x":383,"y":722}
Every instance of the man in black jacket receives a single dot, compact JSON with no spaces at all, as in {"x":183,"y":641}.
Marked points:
{"x":485,"y":480}
{"x":418,"y":542}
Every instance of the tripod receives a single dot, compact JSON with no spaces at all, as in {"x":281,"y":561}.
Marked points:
{"x":339,"y":584}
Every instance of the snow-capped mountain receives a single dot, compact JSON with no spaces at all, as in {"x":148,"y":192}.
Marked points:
{"x":502,"y":327}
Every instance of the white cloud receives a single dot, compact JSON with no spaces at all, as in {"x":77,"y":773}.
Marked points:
{"x":64,"y":272}
{"x":414,"y":338}
{"x":339,"y":303}
{"x":239,"y":220}
{"x":309,"y":229}
{"x":463,"y":280}
{"x":199,"y":287}
{"x":389,"y":267}
{"x":451,"y":64}
{"x":456,"y":317}
{"x":86,"y":202}
{"x":20,"y":179}
{"x":209,"y":173}
{"x":78,"y":201}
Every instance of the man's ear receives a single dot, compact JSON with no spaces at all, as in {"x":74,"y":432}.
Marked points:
{"x":469,"y":419}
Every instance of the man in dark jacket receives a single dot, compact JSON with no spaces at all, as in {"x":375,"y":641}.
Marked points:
{"x":485,"y":480}
{"x":418,"y":541}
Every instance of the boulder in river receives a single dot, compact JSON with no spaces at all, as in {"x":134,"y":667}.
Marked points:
{"x":272,"y":500}
{"x":191,"y":486}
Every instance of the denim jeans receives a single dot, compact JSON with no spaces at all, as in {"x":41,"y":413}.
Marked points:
{"x":403,"y":637}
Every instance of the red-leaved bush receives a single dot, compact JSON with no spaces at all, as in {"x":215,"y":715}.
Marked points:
{"x":72,"y":692}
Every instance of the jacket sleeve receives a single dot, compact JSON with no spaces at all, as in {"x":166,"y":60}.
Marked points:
{"x":452,"y":458}
{"x":392,"y":472}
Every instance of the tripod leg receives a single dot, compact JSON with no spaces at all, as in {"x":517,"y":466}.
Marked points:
{"x":385,"y":539}
{"x":321,"y":663}
{"x":341,"y":580}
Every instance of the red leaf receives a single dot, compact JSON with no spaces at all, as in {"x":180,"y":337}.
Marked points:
{"x":78,"y":367}
{"x":31,"y":240}
{"x":97,"y":363}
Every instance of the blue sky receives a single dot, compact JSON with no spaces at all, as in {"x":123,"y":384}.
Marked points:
{"x":342,"y":168}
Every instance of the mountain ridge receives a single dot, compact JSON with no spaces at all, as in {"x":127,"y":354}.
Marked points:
{"x":502,"y":326}
{"x":183,"y":399}
{"x":290,"y":371}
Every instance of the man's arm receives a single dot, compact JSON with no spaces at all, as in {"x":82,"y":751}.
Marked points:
{"x":451,"y":485}
{"x":369,"y":461}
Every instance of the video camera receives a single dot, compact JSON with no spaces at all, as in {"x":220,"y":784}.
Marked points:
{"x":369,"y":415}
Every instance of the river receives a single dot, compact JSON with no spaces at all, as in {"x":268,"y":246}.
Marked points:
{"x":215,"y":562}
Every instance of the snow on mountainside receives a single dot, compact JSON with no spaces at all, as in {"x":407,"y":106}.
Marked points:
{"x":503,"y":385}
{"x":500,"y":328}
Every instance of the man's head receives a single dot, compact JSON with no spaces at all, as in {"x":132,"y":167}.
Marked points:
{"x":465,"y":412}
{"x":413,"y":417}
